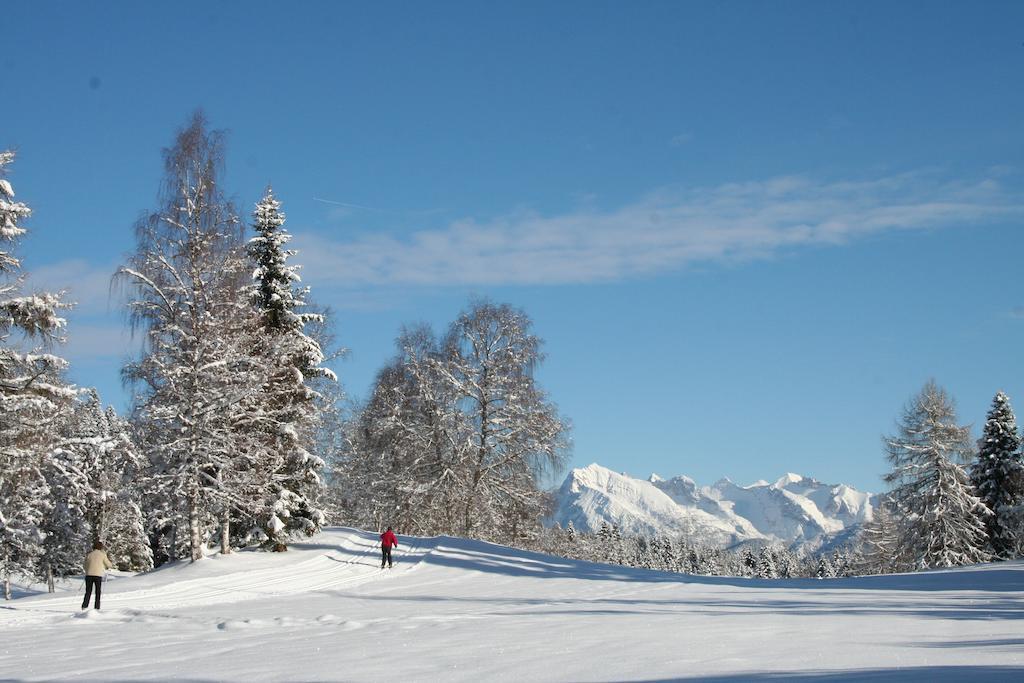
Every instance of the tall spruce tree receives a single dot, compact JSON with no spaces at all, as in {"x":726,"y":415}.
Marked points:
{"x":33,"y":397}
{"x":941,"y":520}
{"x":288,"y":403}
{"x":998,"y":477}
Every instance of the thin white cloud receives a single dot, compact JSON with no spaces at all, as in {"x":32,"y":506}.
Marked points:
{"x":680,"y":139}
{"x":665,"y":231}
{"x":89,"y":341}
{"x":87,"y":284}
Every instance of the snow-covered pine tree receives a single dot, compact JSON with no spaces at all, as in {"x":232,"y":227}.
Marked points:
{"x":68,"y":527}
{"x":125,"y":528}
{"x":841,"y":562}
{"x":603,"y":543}
{"x":95,"y":477}
{"x":32,"y":397}
{"x":187,"y":297}
{"x":65,"y":530}
{"x":766,"y":568}
{"x":787,"y":564}
{"x":941,"y":520}
{"x":288,"y":402}
{"x":824,"y":568}
{"x":748,"y":562}
{"x":998,"y":478}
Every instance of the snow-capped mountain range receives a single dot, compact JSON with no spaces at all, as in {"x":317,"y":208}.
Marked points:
{"x":795,"y":511}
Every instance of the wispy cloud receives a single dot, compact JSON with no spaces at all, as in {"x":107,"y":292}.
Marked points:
{"x":86,"y":341}
{"x":664,"y":231}
{"x":87,"y":284}
{"x":680,"y":139}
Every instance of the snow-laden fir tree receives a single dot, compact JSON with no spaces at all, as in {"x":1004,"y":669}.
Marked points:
{"x":32,"y":397}
{"x":68,"y":527}
{"x":288,"y":402}
{"x":941,"y":522}
{"x":187,"y":283}
{"x":65,"y":529}
{"x":96,"y":472}
{"x":766,"y":567}
{"x":124,"y":524}
{"x":824,"y":568}
{"x":998,"y":477}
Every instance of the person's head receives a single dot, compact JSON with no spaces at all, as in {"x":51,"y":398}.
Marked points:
{"x":389,"y":528}
{"x":97,"y":545}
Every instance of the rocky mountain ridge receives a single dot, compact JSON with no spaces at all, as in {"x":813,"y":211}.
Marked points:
{"x":795,"y":511}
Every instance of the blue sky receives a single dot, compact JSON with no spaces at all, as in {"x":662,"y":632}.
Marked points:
{"x":748,"y":232}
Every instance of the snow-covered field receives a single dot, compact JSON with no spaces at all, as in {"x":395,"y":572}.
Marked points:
{"x":453,"y":609}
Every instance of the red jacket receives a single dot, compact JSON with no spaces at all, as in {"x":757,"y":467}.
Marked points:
{"x":387,"y":539}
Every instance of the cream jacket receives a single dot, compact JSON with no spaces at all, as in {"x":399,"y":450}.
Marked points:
{"x":96,"y":562}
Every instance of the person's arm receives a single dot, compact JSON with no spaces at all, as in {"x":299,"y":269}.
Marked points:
{"x":106,"y":562}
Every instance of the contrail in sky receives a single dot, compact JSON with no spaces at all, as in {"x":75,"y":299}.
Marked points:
{"x":350,"y":206}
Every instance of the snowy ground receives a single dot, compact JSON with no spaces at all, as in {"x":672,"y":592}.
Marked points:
{"x":461,"y":610}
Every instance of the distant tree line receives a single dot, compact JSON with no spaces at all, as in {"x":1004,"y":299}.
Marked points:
{"x":689,"y":556}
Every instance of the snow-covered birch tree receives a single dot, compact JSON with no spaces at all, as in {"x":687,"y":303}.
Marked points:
{"x":406,"y":460}
{"x":457,"y":436}
{"x":515,"y":435}
{"x":941,"y":520}
{"x":998,"y":477}
{"x":186,"y":297}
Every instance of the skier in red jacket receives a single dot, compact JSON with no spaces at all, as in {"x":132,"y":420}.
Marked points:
{"x":387,"y":541}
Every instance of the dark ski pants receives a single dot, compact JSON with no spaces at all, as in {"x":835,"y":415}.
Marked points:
{"x":91,"y":581}
{"x":385,"y":556}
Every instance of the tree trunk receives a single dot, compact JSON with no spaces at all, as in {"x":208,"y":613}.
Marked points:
{"x":194,"y":538}
{"x":7,"y":587}
{"x":225,"y":532}
{"x":49,"y":579}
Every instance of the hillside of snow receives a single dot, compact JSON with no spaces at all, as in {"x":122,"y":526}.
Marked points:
{"x":795,"y":511}
{"x":459,"y":610}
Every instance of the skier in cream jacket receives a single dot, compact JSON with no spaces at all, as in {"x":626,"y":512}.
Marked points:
{"x":96,"y":564}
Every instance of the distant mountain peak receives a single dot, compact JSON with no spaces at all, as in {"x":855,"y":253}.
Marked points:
{"x":787,"y":479}
{"x":795,"y":510}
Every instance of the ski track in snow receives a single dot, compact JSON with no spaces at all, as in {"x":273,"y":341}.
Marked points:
{"x":454,"y":609}
{"x":354,"y":561}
